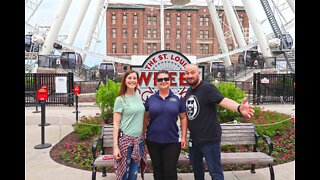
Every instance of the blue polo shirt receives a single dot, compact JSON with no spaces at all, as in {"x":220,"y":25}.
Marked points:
{"x":164,"y":113}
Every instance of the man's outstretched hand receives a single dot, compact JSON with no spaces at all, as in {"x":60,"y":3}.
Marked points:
{"x":246,"y":109}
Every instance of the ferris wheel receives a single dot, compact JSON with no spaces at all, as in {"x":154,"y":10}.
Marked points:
{"x":47,"y":36}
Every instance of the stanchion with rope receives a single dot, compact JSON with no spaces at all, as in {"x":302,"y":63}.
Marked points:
{"x":42,"y":97}
{"x":76,"y":91}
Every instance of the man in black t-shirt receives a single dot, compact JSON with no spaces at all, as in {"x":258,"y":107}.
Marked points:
{"x":203,"y":124}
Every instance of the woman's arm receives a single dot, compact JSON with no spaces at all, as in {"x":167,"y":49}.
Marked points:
{"x":183,"y":121}
{"x":116,"y":125}
{"x":145,"y":124}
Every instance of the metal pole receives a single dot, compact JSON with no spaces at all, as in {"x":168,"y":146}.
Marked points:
{"x":43,"y":120}
{"x":76,"y":111}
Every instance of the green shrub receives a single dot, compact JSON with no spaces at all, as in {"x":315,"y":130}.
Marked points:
{"x":88,"y":127}
{"x":105,"y":98}
{"x":231,"y":91}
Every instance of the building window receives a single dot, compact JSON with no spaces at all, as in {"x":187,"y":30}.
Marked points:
{"x":188,"y":33}
{"x":135,"y":48}
{"x":154,"y":20}
{"x":114,"y":48}
{"x":148,"y":20}
{"x":124,"y":19}
{"x":204,"y":48}
{"x":114,"y":32}
{"x":188,"y":20}
{"x":149,"y":33}
{"x":135,"y":19}
{"x":201,"y":34}
{"x":167,"y":33}
{"x":135,"y":33}
{"x":178,"y":33}
{"x":167,"y":46}
{"x":178,"y":20}
{"x":178,"y":47}
{"x":201,"y":21}
{"x":241,"y":20}
{"x":206,"y":34}
{"x":125,"y":50}
{"x":168,"y":19}
{"x":114,"y":19}
{"x":206,"y":21}
{"x":154,"y":47}
{"x":188,"y":48}
{"x":154,"y":33}
{"x":124,"y":32}
{"x":151,"y":48}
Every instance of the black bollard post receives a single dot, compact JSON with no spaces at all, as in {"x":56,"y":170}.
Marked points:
{"x":77,"y":112}
{"x":42,"y":115}
{"x":43,"y":120}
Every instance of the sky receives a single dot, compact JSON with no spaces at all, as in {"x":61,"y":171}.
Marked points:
{"x":48,"y":10}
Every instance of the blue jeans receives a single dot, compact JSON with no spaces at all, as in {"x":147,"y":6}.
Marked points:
{"x":131,"y":166}
{"x":212,"y":155}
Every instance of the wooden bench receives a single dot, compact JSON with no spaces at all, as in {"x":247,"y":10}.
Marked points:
{"x":242,"y":134}
{"x":106,"y":141}
{"x":232,"y":134}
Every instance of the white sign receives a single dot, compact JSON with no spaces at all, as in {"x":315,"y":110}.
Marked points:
{"x":265,"y":80}
{"x":61,"y":84}
{"x":169,"y":60}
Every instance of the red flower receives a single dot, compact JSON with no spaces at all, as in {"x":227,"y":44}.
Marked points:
{"x":286,"y":156}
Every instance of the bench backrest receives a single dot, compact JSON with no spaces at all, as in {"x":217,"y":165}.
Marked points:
{"x":238,"y":134}
{"x":107,"y":135}
{"x":232,"y":134}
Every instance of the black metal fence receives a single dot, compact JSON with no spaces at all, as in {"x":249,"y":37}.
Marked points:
{"x":272,"y":88}
{"x":34,"y":81}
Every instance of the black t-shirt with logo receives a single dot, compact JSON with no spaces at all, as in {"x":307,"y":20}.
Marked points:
{"x":202,"y":114}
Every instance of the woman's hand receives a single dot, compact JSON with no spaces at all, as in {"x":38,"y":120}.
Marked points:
{"x":183,"y":143}
{"x":116,"y":153}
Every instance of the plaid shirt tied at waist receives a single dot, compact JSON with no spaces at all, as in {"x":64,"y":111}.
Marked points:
{"x":126,"y":141}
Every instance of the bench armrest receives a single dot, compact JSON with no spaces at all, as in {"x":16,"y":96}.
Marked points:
{"x":94,"y":147}
{"x":267,"y":140}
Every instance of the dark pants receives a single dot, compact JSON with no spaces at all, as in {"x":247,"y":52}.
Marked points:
{"x":212,"y":155}
{"x":164,"y":157}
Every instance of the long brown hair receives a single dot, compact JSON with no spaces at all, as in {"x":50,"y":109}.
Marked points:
{"x":123,"y":86}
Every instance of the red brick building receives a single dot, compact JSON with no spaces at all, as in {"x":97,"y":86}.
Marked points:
{"x":135,"y":30}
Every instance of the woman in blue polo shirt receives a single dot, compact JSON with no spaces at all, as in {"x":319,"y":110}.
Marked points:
{"x":163,"y":139}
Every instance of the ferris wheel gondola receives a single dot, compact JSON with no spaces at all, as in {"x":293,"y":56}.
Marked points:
{"x":69,"y":59}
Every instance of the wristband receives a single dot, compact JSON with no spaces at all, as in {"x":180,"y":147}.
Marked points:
{"x":239,"y":109}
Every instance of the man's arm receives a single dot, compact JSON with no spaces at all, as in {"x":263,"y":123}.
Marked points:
{"x":245,"y":109}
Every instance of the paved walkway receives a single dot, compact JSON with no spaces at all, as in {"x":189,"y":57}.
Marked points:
{"x":39,"y":165}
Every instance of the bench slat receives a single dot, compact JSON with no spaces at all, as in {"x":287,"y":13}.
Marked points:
{"x":246,"y":158}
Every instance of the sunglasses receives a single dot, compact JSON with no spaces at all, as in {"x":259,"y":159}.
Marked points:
{"x":161,"y":79}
